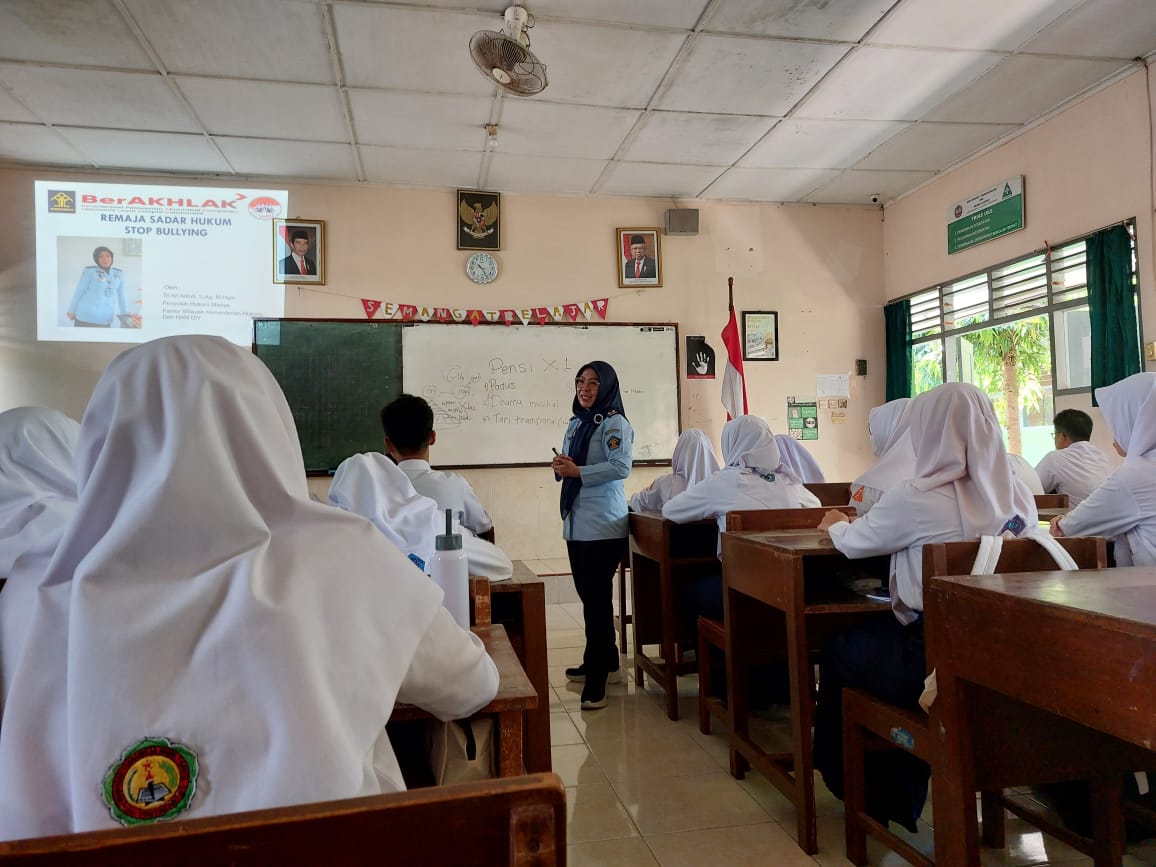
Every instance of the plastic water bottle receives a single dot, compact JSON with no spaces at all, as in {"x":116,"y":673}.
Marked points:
{"x":450,"y":571}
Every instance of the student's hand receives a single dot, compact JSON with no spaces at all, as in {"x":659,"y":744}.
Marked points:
{"x":564,"y":466}
{"x":833,"y":517}
{"x":1055,"y":527}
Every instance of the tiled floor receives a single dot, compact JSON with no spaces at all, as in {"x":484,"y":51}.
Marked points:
{"x":642,"y":790}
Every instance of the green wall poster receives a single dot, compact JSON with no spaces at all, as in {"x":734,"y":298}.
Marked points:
{"x":990,"y":214}
{"x":803,"y":419}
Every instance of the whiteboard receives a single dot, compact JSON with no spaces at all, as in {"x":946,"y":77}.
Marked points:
{"x":503,"y":394}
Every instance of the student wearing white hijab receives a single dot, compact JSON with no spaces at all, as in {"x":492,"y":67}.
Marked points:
{"x":798,"y":460}
{"x":1124,"y":506}
{"x":963,"y":488}
{"x":372,"y":486}
{"x":1076,"y":467}
{"x":207,"y":639}
{"x":693,"y":461}
{"x":1026,"y":473}
{"x":887,"y":425}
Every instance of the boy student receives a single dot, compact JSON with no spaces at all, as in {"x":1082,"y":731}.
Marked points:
{"x":1076,"y":467}
{"x":409,"y":432}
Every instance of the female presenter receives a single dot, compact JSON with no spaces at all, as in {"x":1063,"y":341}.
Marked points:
{"x":99,"y":295}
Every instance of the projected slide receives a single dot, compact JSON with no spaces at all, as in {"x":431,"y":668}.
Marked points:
{"x":126,"y":263}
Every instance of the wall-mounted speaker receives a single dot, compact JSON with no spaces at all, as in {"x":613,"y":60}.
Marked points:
{"x":681,"y":221}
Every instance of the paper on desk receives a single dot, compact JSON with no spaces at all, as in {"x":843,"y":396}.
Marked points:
{"x":833,"y":384}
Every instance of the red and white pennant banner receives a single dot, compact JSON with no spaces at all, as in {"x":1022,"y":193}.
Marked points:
{"x":507,"y":316}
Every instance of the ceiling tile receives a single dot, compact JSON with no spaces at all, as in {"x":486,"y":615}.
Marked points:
{"x":522,"y":174}
{"x":894,"y":83}
{"x":857,"y":188}
{"x":36,"y":144}
{"x":553,"y":130}
{"x":658,"y":179}
{"x":421,"y":168}
{"x":266,"y":109}
{"x":1022,"y":88}
{"x":768,"y":185}
{"x":986,"y":25}
{"x":11,"y":109}
{"x":701,"y":139}
{"x":397,"y":119}
{"x":85,"y":97}
{"x":845,"y":21}
{"x":1101,"y":28}
{"x":78,"y":32}
{"x":289,"y":159}
{"x":933,"y":146}
{"x":162,"y":151}
{"x":682,"y":14}
{"x":281,"y":40}
{"x":819,"y":144}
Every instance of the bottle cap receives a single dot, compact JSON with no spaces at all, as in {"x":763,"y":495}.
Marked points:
{"x":451,"y":541}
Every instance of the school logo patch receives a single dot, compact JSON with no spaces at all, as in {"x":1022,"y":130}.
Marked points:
{"x":155,"y":779}
{"x":1015,"y":525}
{"x":613,"y":443}
{"x":857,"y":497}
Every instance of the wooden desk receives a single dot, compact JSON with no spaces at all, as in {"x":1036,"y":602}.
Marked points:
{"x":831,"y":493}
{"x":1042,"y":676}
{"x":662,"y":553}
{"x":516,"y":695}
{"x":792,"y":571}
{"x":519,"y":604}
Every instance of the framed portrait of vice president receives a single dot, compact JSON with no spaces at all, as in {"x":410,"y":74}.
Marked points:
{"x":639,"y":259}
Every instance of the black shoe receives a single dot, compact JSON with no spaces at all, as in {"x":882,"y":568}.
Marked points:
{"x":593,"y":695}
{"x":578,"y":675}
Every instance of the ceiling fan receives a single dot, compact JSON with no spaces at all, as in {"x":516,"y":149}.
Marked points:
{"x":504,"y":57}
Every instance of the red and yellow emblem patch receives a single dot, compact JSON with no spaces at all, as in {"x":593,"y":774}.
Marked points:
{"x":154,"y":780}
{"x":613,"y":443}
{"x":858,"y":495}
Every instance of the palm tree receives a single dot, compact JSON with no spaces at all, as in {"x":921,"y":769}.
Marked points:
{"x":1012,"y":361}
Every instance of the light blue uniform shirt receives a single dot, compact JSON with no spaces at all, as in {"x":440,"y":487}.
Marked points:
{"x":600,"y":510}
{"x":99,"y":295}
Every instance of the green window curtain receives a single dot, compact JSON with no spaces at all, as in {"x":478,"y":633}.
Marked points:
{"x":897,"y":316}
{"x":1111,"y":308}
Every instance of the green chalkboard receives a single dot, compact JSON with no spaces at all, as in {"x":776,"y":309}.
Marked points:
{"x":336,"y":375}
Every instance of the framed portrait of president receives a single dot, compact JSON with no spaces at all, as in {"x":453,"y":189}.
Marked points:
{"x":299,"y":251}
{"x":479,"y":220}
{"x":639,"y":257}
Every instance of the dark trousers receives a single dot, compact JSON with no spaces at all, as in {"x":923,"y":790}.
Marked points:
{"x":885,"y":659}
{"x":593,"y":565}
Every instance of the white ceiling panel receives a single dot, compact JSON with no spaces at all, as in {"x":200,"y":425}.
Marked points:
{"x":768,"y":185}
{"x":894,"y":83}
{"x":420,"y":168}
{"x":1023,"y":87}
{"x":533,"y":127}
{"x":122,"y":149}
{"x":1101,"y":28}
{"x":11,"y":109}
{"x":81,"y":32}
{"x":988,"y":25}
{"x":819,"y":144}
{"x":845,"y":21}
{"x":266,"y":108}
{"x":603,"y":65}
{"x":658,"y":179}
{"x":397,"y":119}
{"x":681,"y":14}
{"x":522,"y":174}
{"x":856,"y":187}
{"x":85,"y":97}
{"x":932,"y":146}
{"x":280,"y":40}
{"x":701,"y":139}
{"x":411,"y":49}
{"x":36,"y":144}
{"x":289,"y":159}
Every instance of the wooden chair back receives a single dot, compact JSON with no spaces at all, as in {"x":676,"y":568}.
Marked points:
{"x":480,"y":607}
{"x":1017,"y":555}
{"x":514,"y":821}
{"x":781,"y":519}
{"x":831,"y":493}
{"x":1051,"y":501}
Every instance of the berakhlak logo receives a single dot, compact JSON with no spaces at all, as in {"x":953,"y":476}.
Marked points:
{"x":62,"y":201}
{"x":265,"y":207}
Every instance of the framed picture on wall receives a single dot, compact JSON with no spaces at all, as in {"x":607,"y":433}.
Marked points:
{"x":479,"y":220}
{"x":760,"y":335}
{"x":639,"y":257}
{"x":299,"y":251}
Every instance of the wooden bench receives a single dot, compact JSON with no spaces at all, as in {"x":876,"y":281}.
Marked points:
{"x":1052,"y":501}
{"x":831,"y":493}
{"x":518,"y":821}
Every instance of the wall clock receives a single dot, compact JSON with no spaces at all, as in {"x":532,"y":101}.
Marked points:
{"x":482,"y":268}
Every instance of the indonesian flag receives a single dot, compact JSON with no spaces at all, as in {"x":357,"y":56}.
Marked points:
{"x":734,"y":386}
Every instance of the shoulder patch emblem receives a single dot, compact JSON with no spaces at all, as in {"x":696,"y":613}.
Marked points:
{"x":858,"y":495}
{"x":613,"y":443}
{"x":155,"y":779}
{"x":1015,"y":525}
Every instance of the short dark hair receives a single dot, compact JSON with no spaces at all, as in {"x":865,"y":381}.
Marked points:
{"x":408,"y":423}
{"x":299,"y":234}
{"x":1074,"y":424}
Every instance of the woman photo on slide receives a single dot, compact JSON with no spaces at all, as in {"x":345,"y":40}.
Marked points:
{"x":99,"y":296}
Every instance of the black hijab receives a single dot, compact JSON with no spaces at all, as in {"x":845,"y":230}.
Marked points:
{"x":607,"y":403}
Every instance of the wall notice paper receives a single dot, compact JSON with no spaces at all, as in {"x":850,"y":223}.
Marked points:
{"x":833,"y":384}
{"x":803,"y":420}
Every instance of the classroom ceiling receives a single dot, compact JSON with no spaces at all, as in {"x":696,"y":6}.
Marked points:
{"x":829,"y":101}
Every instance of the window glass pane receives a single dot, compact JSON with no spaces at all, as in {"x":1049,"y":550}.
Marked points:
{"x":1019,"y":287}
{"x":925,"y":313}
{"x":927,"y":366}
{"x":1069,"y":272}
{"x":965,"y":302}
{"x":1073,"y":348}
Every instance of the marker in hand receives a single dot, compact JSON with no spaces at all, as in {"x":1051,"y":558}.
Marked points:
{"x":556,"y":452}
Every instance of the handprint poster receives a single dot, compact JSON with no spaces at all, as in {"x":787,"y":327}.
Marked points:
{"x":699,"y":358}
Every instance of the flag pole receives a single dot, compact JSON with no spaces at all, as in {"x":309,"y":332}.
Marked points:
{"x":731,"y":293}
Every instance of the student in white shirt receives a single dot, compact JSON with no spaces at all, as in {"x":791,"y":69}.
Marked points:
{"x":1076,"y":467}
{"x":207,"y":639}
{"x":408,"y":423}
{"x":887,"y":426}
{"x":963,"y":488}
{"x":1124,"y":506}
{"x":692,"y":462}
{"x":798,"y":460}
{"x":372,"y":486}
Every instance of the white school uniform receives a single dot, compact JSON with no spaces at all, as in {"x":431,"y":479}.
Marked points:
{"x":891,"y":442}
{"x":372,"y":486}
{"x":200,"y":596}
{"x":798,"y":461}
{"x":1026,"y":473}
{"x":449,"y":491}
{"x":1076,"y":471}
{"x":692,"y":462}
{"x":752,"y":479}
